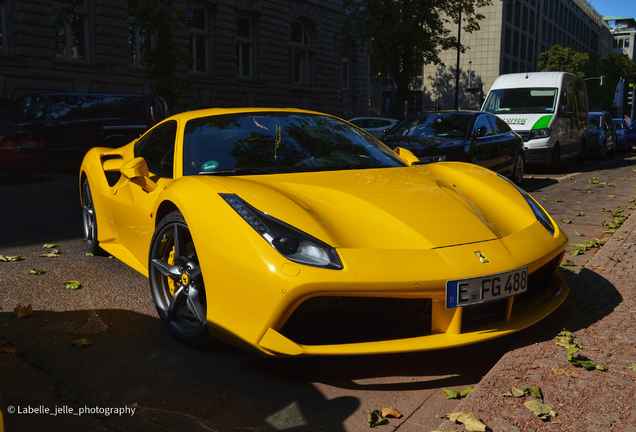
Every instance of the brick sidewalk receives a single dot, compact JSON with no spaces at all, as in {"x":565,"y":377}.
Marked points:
{"x":601,"y":312}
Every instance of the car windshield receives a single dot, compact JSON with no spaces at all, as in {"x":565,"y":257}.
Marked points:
{"x":440,"y":125}
{"x":268,"y":143}
{"x":619,"y":124}
{"x":595,"y":122}
{"x":521,"y":101}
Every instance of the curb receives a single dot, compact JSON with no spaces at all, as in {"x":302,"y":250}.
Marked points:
{"x":521,"y":356}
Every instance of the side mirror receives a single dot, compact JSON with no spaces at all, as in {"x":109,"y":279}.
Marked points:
{"x":566,"y":110}
{"x":406,"y":155}
{"x":481,"y":131}
{"x":137,"y":172}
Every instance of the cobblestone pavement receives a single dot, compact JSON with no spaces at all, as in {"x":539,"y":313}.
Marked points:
{"x":601,"y":312}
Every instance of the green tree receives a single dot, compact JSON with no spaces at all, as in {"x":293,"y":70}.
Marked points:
{"x":407,"y":34}
{"x":166,"y":58}
{"x":560,"y":59}
{"x":613,"y":69}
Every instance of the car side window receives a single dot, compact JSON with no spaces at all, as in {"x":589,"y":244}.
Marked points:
{"x":75,"y":107}
{"x":29,"y":108}
{"x":157,"y":148}
{"x":500,"y":126}
{"x":483,"y":121}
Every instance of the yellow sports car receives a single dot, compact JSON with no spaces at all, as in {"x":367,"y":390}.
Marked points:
{"x":292,"y":232}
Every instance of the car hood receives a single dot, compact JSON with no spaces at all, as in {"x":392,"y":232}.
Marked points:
{"x":420,"y":207}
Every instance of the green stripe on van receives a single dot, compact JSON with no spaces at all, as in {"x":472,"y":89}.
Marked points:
{"x":543,"y":122}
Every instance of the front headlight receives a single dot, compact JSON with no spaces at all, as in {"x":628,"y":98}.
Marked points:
{"x":538,"y":211}
{"x":292,"y":243}
{"x":539,"y":133}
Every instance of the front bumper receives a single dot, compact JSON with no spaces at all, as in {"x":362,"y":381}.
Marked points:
{"x":383,"y":301}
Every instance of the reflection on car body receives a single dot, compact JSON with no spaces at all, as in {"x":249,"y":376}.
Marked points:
{"x":602,"y":134}
{"x":468,"y":136}
{"x":291,"y":232}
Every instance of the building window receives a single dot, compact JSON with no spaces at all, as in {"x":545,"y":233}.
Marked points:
{"x":626,"y":45}
{"x":71,"y":29}
{"x":245,"y":47}
{"x":346,"y":74}
{"x":198,"y":43}
{"x":301,"y":54}
{"x":138,"y":42}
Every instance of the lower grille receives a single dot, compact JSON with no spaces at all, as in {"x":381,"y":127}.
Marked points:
{"x":341,"y":320}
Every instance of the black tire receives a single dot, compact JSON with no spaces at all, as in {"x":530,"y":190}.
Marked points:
{"x":89,"y":220}
{"x":176,"y":281}
{"x":518,"y":169}
{"x":555,"y":162}
{"x":602,"y":151}
{"x":582,"y":153}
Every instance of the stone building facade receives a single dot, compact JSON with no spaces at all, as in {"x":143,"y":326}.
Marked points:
{"x":512,"y":36}
{"x":268,"y":53}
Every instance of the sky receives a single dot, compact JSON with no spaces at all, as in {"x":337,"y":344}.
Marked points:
{"x":619,"y":8}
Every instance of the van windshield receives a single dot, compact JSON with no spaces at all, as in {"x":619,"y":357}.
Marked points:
{"x":521,"y":101}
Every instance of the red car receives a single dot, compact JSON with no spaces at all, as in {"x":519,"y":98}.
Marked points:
{"x":20,"y":150}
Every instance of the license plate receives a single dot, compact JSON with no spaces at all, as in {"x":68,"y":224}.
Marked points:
{"x":28,"y":144}
{"x":483,"y":289}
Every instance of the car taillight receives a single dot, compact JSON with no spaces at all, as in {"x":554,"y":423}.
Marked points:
{"x":10,"y":143}
{"x":41,"y":143}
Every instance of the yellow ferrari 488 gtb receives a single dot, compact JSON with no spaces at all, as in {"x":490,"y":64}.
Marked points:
{"x":292,"y":232}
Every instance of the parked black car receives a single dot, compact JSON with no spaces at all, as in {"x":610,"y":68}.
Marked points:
{"x":601,"y":137}
{"x":476,"y":137}
{"x":72,"y":123}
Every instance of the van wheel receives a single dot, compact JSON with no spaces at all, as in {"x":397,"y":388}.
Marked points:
{"x":555,"y":162}
{"x":582,"y":153}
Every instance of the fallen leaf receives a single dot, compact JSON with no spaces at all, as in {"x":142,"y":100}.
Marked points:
{"x":72,"y":285}
{"x":80,"y":343}
{"x":586,"y":191}
{"x":376,"y":419}
{"x":563,"y":371}
{"x":579,"y":214}
{"x":49,"y":246}
{"x":88,"y":254}
{"x":566,"y":221}
{"x":514,"y":392}
{"x":612,"y":196}
{"x":451,"y":394}
{"x":559,"y":200}
{"x":633,"y":367}
{"x":544,"y":411}
{"x":568,"y":263}
{"x":21,"y":311}
{"x":467,"y":391}
{"x":54,"y":253}
{"x":8,"y":349}
{"x":469,"y":420}
{"x":11,"y":258}
{"x":36,"y":272}
{"x":391,"y":412}
{"x":534,"y":391}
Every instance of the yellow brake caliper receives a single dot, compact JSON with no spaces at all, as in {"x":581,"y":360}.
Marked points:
{"x":172,"y":285}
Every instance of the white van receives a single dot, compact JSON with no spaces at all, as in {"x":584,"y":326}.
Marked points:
{"x":548,"y":109}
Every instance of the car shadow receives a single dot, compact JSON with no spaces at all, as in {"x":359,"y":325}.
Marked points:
{"x":133,"y":362}
{"x":591,"y":299}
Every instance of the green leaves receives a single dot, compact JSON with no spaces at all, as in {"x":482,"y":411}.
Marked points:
{"x":11,"y":258}
{"x":566,"y":221}
{"x":72,"y":285}
{"x":568,"y":341}
{"x":36,"y":272}
{"x":582,"y":247}
{"x":455,"y":394}
{"x":376,"y":419}
{"x":469,"y":420}
{"x":81,"y":343}
{"x":544,"y":411}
